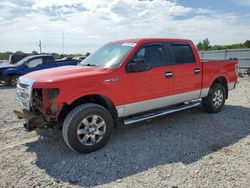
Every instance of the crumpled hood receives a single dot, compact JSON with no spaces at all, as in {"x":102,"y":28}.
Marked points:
{"x":63,"y":73}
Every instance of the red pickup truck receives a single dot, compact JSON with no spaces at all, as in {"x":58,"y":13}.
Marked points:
{"x":123,"y":82}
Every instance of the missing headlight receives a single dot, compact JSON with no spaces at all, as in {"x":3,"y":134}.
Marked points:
{"x":53,"y":93}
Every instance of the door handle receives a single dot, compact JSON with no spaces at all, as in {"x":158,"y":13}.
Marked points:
{"x":169,"y":74}
{"x":197,"y":71}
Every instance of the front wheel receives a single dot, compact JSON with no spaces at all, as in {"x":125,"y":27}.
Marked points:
{"x":215,"y":100}
{"x":12,"y":80}
{"x":87,"y":128}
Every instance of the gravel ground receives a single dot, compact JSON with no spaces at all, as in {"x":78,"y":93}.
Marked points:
{"x":186,"y":149}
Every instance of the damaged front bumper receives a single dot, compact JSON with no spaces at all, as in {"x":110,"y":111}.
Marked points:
{"x":38,"y":105}
{"x":33,"y":120}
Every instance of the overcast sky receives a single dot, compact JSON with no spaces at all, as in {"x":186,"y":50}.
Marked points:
{"x":87,"y":24}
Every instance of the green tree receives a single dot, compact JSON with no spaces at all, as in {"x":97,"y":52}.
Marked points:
{"x":5,"y":55}
{"x":34,"y":52}
{"x":19,"y":52}
{"x":56,"y":56}
{"x":206,"y":44}
{"x":199,"y":46}
{"x":247,"y":44}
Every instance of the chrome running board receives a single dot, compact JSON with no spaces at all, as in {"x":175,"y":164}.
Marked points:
{"x":161,"y":112}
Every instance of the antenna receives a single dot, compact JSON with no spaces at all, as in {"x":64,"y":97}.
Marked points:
{"x":62,"y":42}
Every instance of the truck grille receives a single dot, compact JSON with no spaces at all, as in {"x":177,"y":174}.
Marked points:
{"x":24,"y":86}
{"x":24,"y":92}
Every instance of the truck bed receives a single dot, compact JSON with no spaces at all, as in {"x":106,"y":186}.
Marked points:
{"x":216,"y":60}
{"x":214,"y":68}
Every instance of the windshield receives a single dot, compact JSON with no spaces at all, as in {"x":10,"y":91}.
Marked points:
{"x":109,"y":56}
{"x":22,"y":61}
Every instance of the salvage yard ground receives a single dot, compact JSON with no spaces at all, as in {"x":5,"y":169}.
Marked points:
{"x":185,"y":149}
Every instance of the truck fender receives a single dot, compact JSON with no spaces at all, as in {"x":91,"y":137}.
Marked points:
{"x":10,"y":71}
{"x":98,"y":99}
{"x":222,"y":80}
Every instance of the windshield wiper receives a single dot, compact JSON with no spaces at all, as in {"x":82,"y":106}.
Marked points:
{"x":90,"y":65}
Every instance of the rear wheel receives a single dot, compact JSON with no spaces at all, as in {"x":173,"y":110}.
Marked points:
{"x":87,"y":128}
{"x":215,"y":100}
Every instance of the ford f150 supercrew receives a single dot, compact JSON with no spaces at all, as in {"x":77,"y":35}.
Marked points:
{"x":122,"y":83}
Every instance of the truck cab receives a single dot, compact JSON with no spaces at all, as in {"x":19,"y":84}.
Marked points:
{"x":122,"y":83}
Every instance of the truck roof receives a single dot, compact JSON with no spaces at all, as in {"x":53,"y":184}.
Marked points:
{"x":42,"y":55}
{"x":139,"y":40}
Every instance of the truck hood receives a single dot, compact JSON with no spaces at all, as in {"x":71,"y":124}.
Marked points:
{"x":63,"y":73}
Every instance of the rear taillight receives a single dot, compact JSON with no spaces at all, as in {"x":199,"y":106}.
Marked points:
{"x":236,"y":69}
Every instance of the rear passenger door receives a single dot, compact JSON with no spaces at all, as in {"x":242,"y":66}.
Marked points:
{"x":186,"y":72}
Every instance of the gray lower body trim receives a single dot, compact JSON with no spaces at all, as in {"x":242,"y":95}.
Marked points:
{"x":204,"y":92}
{"x":134,"y":108}
{"x":120,"y":110}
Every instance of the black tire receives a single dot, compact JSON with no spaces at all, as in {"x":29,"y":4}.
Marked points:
{"x":212,"y":103}
{"x":75,"y":119}
{"x":12,"y":80}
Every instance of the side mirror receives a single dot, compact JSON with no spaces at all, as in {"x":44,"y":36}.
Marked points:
{"x":137,"y":65}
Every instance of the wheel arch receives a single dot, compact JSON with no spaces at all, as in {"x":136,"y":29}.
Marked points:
{"x":221,"y":80}
{"x":93,"y":98}
{"x":10,"y":72}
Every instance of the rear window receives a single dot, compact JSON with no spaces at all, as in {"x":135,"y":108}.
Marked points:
{"x":182,"y":53}
{"x":47,"y":60}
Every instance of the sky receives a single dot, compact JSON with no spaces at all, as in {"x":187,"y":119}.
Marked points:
{"x":88,"y":24}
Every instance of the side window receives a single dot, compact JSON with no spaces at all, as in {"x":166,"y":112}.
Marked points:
{"x":183,"y":53}
{"x":34,"y":62}
{"x":153,"y":55}
{"x":140,"y":54}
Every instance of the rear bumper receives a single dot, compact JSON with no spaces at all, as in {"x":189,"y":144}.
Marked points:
{"x":232,"y":85}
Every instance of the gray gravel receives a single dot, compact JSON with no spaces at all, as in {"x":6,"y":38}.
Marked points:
{"x":185,"y":149}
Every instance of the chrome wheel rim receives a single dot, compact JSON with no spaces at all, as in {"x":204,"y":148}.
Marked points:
{"x":14,"y":81}
{"x":91,"y":130}
{"x":218,"y":98}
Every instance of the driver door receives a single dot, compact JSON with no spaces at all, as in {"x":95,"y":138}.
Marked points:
{"x":149,"y":89}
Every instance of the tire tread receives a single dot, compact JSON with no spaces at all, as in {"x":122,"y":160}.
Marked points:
{"x":72,"y":115}
{"x":206,"y":102}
